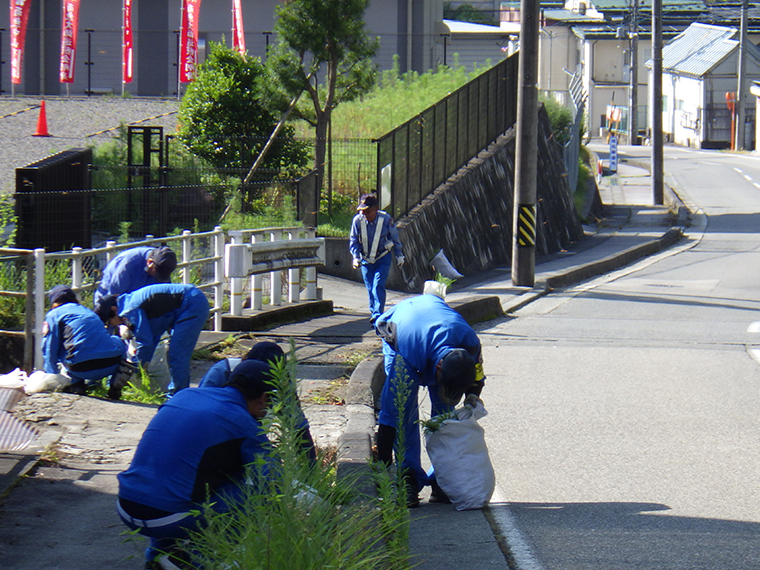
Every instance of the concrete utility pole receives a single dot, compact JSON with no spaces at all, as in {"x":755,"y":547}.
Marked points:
{"x":633,"y":113}
{"x":740,"y":104}
{"x":656,"y":103}
{"x":526,"y":153}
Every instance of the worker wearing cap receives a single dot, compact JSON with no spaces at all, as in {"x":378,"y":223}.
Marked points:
{"x":372,"y":242}
{"x":425,"y":343}
{"x":73,"y":336}
{"x":151,"y":311}
{"x":196,"y":451}
{"x":271,"y":354}
{"x":135,"y":268}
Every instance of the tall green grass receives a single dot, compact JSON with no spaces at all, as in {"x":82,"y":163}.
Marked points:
{"x":300,"y":516}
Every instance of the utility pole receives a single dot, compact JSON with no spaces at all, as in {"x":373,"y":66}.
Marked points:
{"x":633,"y":113}
{"x":526,"y":153}
{"x":740,"y":104}
{"x":656,"y":104}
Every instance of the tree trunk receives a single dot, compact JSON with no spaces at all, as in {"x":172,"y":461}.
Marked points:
{"x":320,"y":147}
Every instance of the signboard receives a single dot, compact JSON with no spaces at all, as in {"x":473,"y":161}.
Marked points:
{"x":613,"y":154}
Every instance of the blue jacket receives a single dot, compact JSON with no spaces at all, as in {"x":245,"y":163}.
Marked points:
{"x":217,"y":375}
{"x":198,"y":440}
{"x":73,"y":334}
{"x":126,"y":272}
{"x":154,"y":310}
{"x":389,"y":238}
{"x":423,"y":330}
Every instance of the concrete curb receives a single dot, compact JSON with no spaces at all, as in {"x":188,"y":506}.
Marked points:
{"x":612,"y":262}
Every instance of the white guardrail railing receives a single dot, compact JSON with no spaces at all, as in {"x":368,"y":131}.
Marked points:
{"x":201,"y":261}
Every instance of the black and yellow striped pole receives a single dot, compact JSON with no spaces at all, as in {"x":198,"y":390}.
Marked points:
{"x":526,"y":153}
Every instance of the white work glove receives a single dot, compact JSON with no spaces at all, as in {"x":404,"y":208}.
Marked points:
{"x":125,"y":332}
{"x":400,"y":260}
{"x":355,"y":263}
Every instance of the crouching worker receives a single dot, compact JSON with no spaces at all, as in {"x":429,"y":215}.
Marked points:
{"x":151,"y":311}
{"x":73,"y":336}
{"x":425,"y":343}
{"x":271,"y":354}
{"x":194,"y":452}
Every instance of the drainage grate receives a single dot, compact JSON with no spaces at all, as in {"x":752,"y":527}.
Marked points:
{"x":15,"y":434}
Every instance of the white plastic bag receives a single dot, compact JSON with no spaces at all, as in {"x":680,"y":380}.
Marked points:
{"x":434,"y":288}
{"x":458,"y":452}
{"x":40,"y":381}
{"x":15,"y":379}
{"x":158,"y":367}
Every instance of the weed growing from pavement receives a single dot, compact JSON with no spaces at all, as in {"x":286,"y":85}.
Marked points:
{"x":295,"y":513}
{"x":140,"y":389}
{"x":391,"y":486}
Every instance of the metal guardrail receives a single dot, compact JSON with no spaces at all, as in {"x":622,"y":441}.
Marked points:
{"x":269,"y":257}
{"x":198,"y":263}
{"x":27,"y":257}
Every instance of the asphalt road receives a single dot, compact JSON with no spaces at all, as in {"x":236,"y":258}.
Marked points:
{"x":623,"y":418}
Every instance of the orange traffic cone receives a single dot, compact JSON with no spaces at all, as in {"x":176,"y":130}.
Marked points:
{"x":42,"y":130}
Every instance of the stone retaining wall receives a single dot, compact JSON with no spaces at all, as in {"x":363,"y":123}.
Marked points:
{"x":470,"y":216}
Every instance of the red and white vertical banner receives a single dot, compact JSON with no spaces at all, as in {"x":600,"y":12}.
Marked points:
{"x":188,"y":50}
{"x":238,"y":33}
{"x":19,"y":18}
{"x":126,"y":43}
{"x":69,"y":30}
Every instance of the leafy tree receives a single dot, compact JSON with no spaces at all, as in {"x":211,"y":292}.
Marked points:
{"x":467,"y":13}
{"x":322,"y":40}
{"x":229,"y":111}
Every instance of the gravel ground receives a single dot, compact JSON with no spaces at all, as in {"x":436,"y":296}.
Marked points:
{"x":72,"y":123}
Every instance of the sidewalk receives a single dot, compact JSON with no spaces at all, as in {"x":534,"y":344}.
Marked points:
{"x":76,"y":527}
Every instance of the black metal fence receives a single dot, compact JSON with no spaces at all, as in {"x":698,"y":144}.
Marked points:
{"x":416,"y":157}
{"x":65,"y":201}
{"x":60,"y":216}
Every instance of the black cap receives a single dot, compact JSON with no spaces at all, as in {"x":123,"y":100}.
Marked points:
{"x":367,"y":201}
{"x":165,"y":261}
{"x":457,"y":374}
{"x":62,"y":294}
{"x":104,"y":306}
{"x":265,"y":351}
{"x":252,"y":378}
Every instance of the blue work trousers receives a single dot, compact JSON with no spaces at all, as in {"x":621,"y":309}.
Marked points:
{"x":375,"y":275}
{"x":163,"y":537}
{"x":187,"y":328}
{"x":399,"y":374}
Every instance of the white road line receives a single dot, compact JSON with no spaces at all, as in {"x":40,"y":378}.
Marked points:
{"x":747,"y":178}
{"x":756,"y":185}
{"x":739,"y":170}
{"x":521,"y":552}
{"x":754,"y":327}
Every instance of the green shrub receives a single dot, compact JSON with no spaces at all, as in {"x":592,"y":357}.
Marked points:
{"x":300,"y":516}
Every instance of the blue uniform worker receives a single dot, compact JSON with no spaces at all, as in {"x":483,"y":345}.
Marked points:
{"x":264,"y":351}
{"x":425,"y":343}
{"x":219,"y":373}
{"x":194,"y":451}
{"x":74,"y":336}
{"x":372,"y":239}
{"x":135,"y":268}
{"x":151,"y":311}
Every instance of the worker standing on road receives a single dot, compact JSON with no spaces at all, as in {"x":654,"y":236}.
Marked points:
{"x":135,"y":268}
{"x":151,"y":311}
{"x":425,"y":343}
{"x":195,"y":451}
{"x":74,"y":336}
{"x":373,"y":237}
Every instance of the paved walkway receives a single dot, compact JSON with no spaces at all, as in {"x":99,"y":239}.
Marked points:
{"x":63,"y":517}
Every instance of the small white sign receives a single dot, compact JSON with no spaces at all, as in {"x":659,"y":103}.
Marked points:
{"x":613,"y":154}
